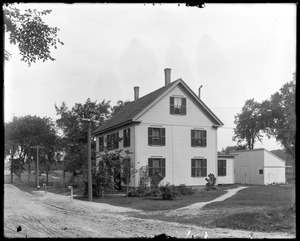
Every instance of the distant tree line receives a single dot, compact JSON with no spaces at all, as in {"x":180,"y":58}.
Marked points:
{"x":62,"y":142}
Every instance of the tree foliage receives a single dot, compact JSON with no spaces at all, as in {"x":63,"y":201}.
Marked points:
{"x":120,"y":104}
{"x":279,"y":116}
{"x":23,"y":134}
{"x":75,"y":130}
{"x":32,"y":35}
{"x":276,"y":117}
{"x":248,"y":124}
{"x":230,"y":149}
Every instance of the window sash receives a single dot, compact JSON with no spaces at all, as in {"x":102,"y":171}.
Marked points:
{"x":199,"y":168}
{"x":112,"y":141}
{"x":198,"y":138}
{"x":156,"y":136}
{"x":177,"y":105}
{"x":221,"y":167}
{"x":156,"y":164}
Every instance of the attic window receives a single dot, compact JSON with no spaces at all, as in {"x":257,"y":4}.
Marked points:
{"x":177,"y":105}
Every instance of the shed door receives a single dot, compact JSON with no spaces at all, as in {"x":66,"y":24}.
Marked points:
{"x":245,"y":175}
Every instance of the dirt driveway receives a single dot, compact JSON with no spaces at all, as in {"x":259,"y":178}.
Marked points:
{"x":53,"y":215}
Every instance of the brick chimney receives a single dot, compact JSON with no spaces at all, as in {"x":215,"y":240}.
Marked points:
{"x":136,"y":92}
{"x":167,"y":76}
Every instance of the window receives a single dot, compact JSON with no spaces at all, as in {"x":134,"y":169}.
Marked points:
{"x":261,"y":171}
{"x":198,"y":138}
{"x":126,"y":137}
{"x":156,"y":136}
{"x":177,"y":106}
{"x":199,"y":168}
{"x":112,"y":141}
{"x":221,"y":167}
{"x":101,"y":143}
{"x":157,"y":165}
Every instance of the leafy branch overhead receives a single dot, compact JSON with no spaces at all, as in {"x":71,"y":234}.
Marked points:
{"x":32,"y":35}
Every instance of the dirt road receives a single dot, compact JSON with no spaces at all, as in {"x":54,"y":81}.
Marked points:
{"x":53,"y":215}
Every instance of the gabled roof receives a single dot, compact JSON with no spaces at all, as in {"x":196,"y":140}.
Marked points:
{"x":129,"y":112}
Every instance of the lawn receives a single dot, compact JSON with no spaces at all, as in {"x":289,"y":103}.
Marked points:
{"x":256,"y":208}
{"x":156,"y":204}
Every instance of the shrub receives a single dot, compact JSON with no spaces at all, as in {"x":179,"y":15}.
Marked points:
{"x":211,"y":182}
{"x":156,"y":179}
{"x":182,"y":189}
{"x":138,"y":192}
{"x":154,"y":192}
{"x":168,"y":192}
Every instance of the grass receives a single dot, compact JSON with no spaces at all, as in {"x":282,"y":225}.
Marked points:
{"x":258,"y":196}
{"x":156,"y":204}
{"x":256,"y":208}
{"x":282,"y":219}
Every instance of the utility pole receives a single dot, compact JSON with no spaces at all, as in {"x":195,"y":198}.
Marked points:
{"x":89,"y":171}
{"x":37,"y":167}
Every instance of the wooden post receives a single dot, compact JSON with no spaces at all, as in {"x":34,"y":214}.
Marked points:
{"x":37,"y":166}
{"x":90,"y":190}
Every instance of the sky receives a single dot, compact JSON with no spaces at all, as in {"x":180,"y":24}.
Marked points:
{"x":235,"y":51}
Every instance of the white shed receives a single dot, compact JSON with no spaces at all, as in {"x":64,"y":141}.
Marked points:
{"x":258,"y":166}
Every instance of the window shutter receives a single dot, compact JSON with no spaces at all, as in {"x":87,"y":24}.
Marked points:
{"x":149,"y":136}
{"x":128,"y":137}
{"x":101,"y":143}
{"x":117,"y":140}
{"x":163,"y":166}
{"x":150,"y":170}
{"x":163,"y":136}
{"x":183,"y":102}
{"x":171,"y":105}
{"x":193,"y":167}
{"x":193,"y":138}
{"x":204,"y":167}
{"x":124,"y":138}
{"x":204,"y":138}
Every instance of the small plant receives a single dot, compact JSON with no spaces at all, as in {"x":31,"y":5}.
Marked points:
{"x":211,"y":182}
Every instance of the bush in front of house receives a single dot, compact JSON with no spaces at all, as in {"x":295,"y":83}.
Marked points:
{"x":182,"y":189}
{"x":211,"y":182}
{"x":168,"y":192}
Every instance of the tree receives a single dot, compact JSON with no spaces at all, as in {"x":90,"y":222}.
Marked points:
{"x":104,"y":175}
{"x":75,"y":131}
{"x":28,"y":30}
{"x":22,"y":135}
{"x":128,"y":169}
{"x":120,"y":104}
{"x":230,"y":149}
{"x":279,"y":115}
{"x":248,"y":124}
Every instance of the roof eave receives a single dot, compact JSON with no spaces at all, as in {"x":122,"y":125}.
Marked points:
{"x":109,"y":129}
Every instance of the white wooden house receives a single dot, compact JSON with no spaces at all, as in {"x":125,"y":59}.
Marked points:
{"x":258,"y":166}
{"x":170,"y":130}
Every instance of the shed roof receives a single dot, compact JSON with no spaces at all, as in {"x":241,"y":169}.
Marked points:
{"x":258,"y":149}
{"x":130,"y":111}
